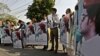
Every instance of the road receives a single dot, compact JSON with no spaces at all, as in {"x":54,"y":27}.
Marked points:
{"x":37,"y":51}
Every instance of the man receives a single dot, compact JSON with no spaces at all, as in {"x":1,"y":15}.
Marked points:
{"x":23,"y":28}
{"x":90,"y":28}
{"x":53,"y":24}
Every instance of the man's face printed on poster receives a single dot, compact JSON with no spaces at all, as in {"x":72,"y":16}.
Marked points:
{"x":84,"y":23}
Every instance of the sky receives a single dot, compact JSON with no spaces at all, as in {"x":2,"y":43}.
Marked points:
{"x":19,"y":7}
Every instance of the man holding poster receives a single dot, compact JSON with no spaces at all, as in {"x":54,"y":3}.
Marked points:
{"x":90,"y":28}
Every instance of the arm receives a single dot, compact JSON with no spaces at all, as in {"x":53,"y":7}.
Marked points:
{"x":20,"y":26}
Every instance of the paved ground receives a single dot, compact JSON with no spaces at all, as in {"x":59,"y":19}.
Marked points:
{"x":9,"y":51}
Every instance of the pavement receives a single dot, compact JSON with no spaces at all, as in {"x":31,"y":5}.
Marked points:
{"x":37,"y":51}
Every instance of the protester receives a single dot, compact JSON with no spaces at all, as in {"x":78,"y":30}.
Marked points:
{"x":77,"y":33}
{"x":53,"y":24}
{"x":63,"y":33}
{"x":44,"y":20}
{"x":22,"y":27}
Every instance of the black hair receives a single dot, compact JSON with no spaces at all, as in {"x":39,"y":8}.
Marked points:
{"x":94,"y":11}
{"x":68,"y":10}
{"x":54,"y":9}
{"x":28,"y":23}
{"x":63,"y":15}
{"x":76,"y":7}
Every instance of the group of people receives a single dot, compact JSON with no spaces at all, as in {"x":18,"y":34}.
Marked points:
{"x":85,"y":28}
{"x":52,"y":21}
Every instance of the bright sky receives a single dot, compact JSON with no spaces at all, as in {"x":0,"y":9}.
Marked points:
{"x":19,"y":7}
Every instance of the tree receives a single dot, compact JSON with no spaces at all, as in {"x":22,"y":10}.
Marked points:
{"x":39,"y":8}
{"x":5,"y":17}
{"x":4,"y":8}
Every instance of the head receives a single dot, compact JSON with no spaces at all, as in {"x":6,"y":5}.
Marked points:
{"x":44,"y":16}
{"x":76,"y":7}
{"x":33,"y":20}
{"x":20,"y":21}
{"x":68,"y":11}
{"x":8,"y":22}
{"x":63,"y":15}
{"x":54,"y":10}
{"x":91,"y":17}
{"x":12,"y":24}
{"x":28,"y":23}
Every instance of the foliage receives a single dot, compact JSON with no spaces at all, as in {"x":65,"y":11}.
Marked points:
{"x":5,"y":17}
{"x":39,"y":8}
{"x":4,"y":7}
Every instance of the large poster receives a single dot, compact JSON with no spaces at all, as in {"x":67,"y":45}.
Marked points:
{"x":39,"y":36}
{"x":17,"y":43}
{"x":90,"y":28}
{"x":30,"y":35}
{"x":6,"y":36}
{"x":41,"y":33}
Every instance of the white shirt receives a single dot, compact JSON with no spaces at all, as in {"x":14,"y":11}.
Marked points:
{"x":91,"y":47}
{"x":53,"y":20}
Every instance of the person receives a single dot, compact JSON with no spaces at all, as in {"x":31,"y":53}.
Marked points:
{"x":7,"y":27}
{"x":44,"y":20}
{"x":53,"y":24}
{"x":22,"y":24}
{"x":90,"y":28}
{"x":67,"y":20}
{"x":63,"y":31}
{"x":22,"y":27}
{"x":77,"y":33}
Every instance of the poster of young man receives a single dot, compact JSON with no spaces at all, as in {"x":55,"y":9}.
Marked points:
{"x":17,"y":43}
{"x":6,"y":37}
{"x":41,"y":33}
{"x":30,"y":35}
{"x":90,"y":28}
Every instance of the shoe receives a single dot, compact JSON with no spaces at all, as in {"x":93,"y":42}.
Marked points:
{"x":55,"y":51}
{"x":51,"y":50}
{"x":44,"y":48}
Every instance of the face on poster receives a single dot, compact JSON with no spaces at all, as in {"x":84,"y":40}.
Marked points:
{"x":89,"y":26}
{"x":89,"y":17}
{"x":84,"y":26}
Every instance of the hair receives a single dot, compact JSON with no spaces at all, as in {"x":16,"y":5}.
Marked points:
{"x":63,"y":15}
{"x":94,"y":11}
{"x":20,"y":21}
{"x":76,"y":7}
{"x":54,"y":9}
{"x":68,"y":10}
{"x":28,"y":23}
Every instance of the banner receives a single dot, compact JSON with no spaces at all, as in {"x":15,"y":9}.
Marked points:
{"x":30,"y":35}
{"x":41,"y":33}
{"x":37,"y":34}
{"x":6,"y":36}
{"x":17,"y":43}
